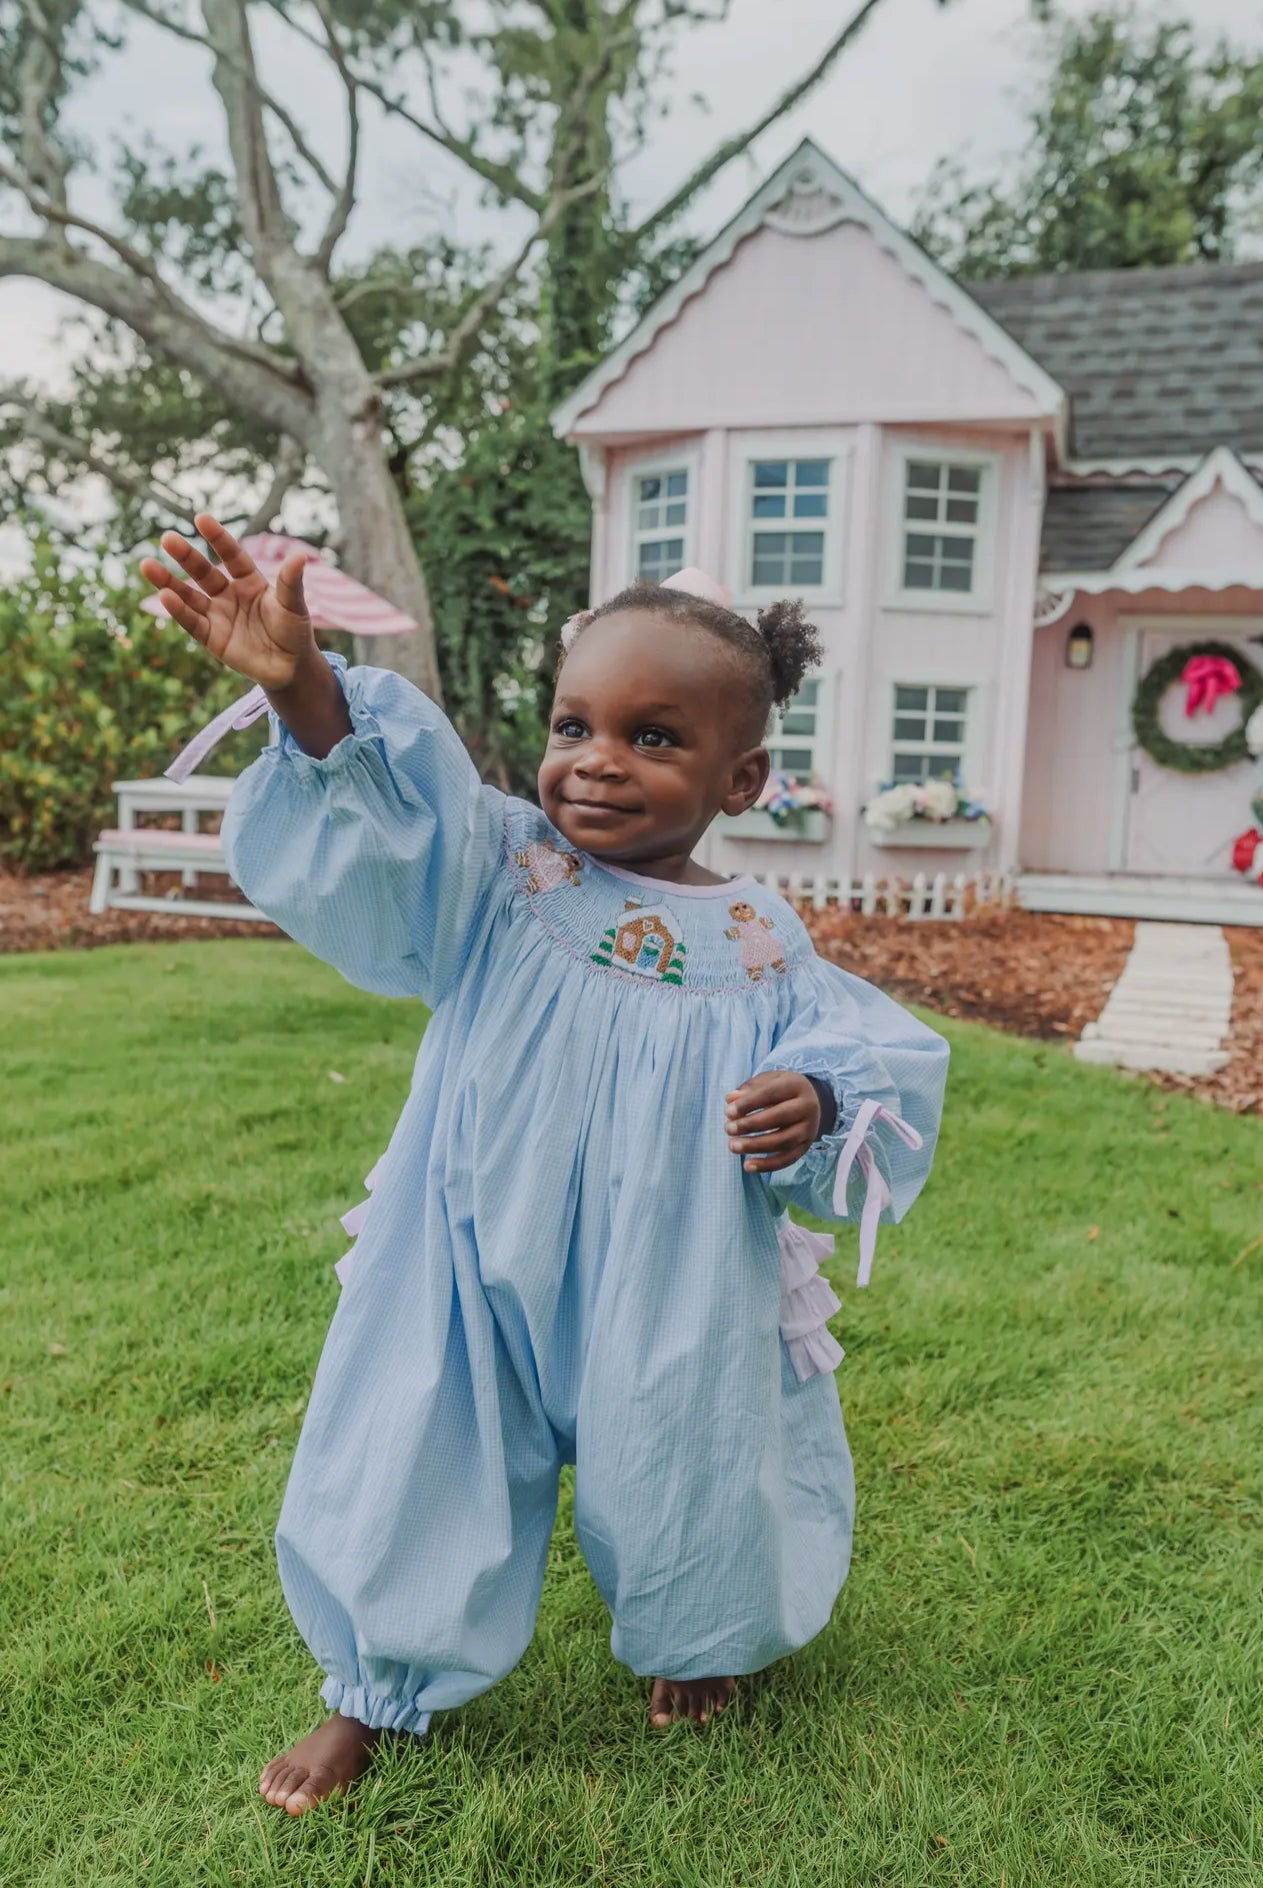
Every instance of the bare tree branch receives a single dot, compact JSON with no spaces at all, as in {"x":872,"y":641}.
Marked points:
{"x":39,"y":426}
{"x":433,"y":366}
{"x":233,"y":75}
{"x":290,"y":461}
{"x":314,"y":325}
{"x":501,"y":177}
{"x":251,"y":378}
{"x":344,"y":201}
{"x":38,"y":75}
{"x":65,"y":219}
{"x":733,"y":147}
{"x":248,"y":73}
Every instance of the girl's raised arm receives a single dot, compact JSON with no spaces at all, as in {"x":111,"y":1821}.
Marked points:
{"x":262,"y":633}
{"x":363,"y":829}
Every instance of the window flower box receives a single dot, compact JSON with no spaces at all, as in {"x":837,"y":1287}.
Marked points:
{"x":929,"y":813}
{"x":786,"y":809}
{"x":960,"y":835}
{"x":810,"y":823}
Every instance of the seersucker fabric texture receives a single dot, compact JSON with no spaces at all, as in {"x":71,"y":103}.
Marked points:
{"x":560,"y":1260}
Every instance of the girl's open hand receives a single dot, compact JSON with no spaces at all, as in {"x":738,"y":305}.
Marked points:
{"x":231,"y":610}
{"x":772,"y":1120}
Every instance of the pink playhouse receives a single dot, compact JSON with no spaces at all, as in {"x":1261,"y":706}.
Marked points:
{"x":1025,"y":515}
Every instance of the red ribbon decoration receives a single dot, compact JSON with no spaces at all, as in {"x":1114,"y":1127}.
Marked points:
{"x":1205,"y":679}
{"x":1244,"y":849}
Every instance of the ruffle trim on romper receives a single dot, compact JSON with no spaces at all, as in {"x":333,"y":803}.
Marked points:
{"x":353,"y":1224}
{"x":369,"y":1707}
{"x":808,"y":1301}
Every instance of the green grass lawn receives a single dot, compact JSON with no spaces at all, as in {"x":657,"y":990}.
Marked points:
{"x":1045,"y":1668}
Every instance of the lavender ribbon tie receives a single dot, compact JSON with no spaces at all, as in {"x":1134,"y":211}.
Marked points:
{"x":249,"y":708}
{"x":877,"y":1195}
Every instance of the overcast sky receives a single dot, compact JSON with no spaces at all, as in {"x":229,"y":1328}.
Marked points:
{"x":924,"y":82}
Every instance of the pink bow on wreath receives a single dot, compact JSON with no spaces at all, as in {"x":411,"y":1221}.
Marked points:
{"x":1205,"y":679}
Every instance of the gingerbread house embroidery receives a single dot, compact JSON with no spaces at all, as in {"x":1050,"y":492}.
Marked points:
{"x":646,"y":941}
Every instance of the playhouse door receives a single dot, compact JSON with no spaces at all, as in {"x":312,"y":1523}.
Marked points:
{"x":1184,"y":824}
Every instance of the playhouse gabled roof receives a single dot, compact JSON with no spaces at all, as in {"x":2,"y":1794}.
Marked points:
{"x":1220,"y":467}
{"x":810,"y":173}
{"x":1132,"y":565}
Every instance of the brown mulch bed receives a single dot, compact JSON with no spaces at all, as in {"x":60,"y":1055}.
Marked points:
{"x":1028,"y":973}
{"x":1038,"y":975}
{"x":48,"y":911}
{"x":1025,"y":972}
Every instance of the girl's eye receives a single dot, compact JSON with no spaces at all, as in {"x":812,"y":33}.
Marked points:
{"x":655,"y":737}
{"x":569,"y":728}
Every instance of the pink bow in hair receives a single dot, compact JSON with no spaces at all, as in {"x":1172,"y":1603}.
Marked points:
{"x":694,"y":583}
{"x":1205,"y":679}
{"x":570,"y":629}
{"x":697,"y":584}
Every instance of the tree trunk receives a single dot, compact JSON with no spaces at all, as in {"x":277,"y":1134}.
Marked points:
{"x":377,"y":548}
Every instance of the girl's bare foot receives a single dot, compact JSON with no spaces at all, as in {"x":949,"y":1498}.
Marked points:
{"x":320,"y":1765}
{"x":696,"y":1698}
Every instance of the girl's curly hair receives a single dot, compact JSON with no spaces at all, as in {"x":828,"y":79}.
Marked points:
{"x":775,"y":652}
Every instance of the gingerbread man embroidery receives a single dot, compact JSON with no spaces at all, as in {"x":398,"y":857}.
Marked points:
{"x":760,"y":946}
{"x":547,"y":867}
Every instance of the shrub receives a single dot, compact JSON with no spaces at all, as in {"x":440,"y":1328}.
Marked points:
{"x":91,"y":691}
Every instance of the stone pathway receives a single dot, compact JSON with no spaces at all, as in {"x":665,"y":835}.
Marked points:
{"x":1171,"y":1007}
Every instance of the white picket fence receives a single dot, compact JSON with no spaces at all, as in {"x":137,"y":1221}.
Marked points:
{"x":921,"y":897}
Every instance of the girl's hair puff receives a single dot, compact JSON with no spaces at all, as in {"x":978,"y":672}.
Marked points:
{"x":775,"y":652}
{"x":793,"y":646}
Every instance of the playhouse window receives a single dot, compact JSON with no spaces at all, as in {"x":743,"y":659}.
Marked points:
{"x":942,"y":525}
{"x":659,"y":523}
{"x":796,"y":737}
{"x":789,"y":505}
{"x":929,"y":734}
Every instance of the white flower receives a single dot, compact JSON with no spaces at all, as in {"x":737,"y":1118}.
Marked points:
{"x":1254,"y":733}
{"x":938,"y":799}
{"x":894,"y":807}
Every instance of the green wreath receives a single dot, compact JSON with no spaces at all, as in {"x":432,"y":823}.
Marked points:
{"x":1193,"y":757}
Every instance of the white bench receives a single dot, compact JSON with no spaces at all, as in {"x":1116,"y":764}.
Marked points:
{"x":122,"y":854}
{"x":199,"y":796}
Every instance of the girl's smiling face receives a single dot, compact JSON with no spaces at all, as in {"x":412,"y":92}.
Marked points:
{"x":649,"y":740}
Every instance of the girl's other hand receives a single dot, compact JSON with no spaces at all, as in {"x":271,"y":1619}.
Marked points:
{"x":772,"y":1120}
{"x":263,"y":634}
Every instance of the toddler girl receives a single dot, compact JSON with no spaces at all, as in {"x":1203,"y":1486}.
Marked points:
{"x":576,"y":1247}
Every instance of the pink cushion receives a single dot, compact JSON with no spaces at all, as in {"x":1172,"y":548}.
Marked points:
{"x":146,"y":839}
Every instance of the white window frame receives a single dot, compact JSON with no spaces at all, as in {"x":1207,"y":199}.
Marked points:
{"x":747,"y":448}
{"x":979,"y":600}
{"x":821,"y":742}
{"x":660,"y":467}
{"x":977,"y":712}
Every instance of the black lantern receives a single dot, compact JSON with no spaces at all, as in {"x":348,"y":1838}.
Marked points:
{"x":1079,"y":647}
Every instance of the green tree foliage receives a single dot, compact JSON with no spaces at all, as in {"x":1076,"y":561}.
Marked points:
{"x":505,"y":536}
{"x":1144,"y":151}
{"x":94,"y":691}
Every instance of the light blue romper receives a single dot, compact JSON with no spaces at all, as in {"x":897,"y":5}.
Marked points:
{"x":561,"y":1260}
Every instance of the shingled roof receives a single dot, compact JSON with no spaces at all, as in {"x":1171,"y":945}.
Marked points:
{"x":1089,"y":527}
{"x":1155,"y":360}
